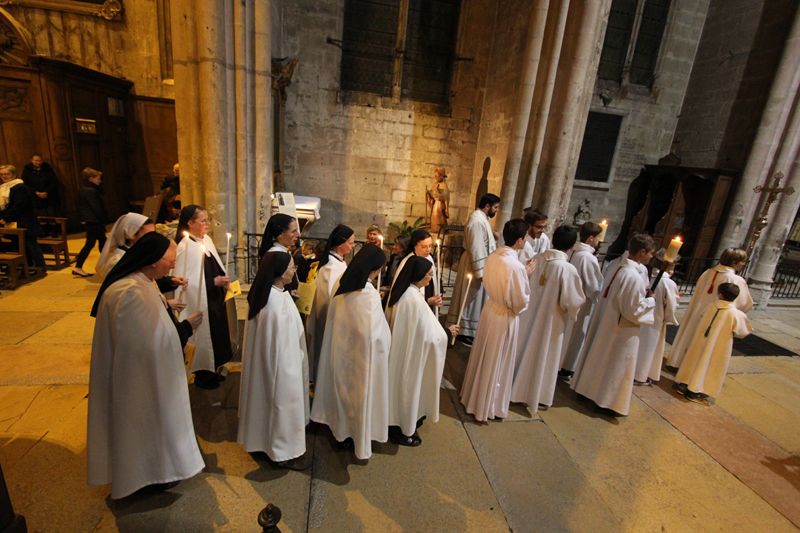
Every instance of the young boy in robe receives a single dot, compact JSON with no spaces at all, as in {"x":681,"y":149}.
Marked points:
{"x":536,"y":241}
{"x":374,"y":235}
{"x":486,"y":391}
{"x":556,"y":296}
{"x":705,"y":366}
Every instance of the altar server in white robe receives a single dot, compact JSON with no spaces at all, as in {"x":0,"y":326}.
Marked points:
{"x":478,"y":244}
{"x":351,"y":395}
{"x":124,"y":234}
{"x":200,"y":264}
{"x":705,"y":294}
{"x":330,"y":268}
{"x":416,"y":360}
{"x":556,"y":296}
{"x":705,"y":366}
{"x":140,"y":430}
{"x":653,"y":337}
{"x":536,"y":241}
{"x":273,"y":401}
{"x":609,"y":364}
{"x":583,"y":258}
{"x":486,"y":391}
{"x":420,"y":245}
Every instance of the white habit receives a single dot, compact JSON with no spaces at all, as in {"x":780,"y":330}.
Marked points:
{"x":140,"y":429}
{"x":609,"y":361}
{"x":327,"y":279}
{"x":273,"y":401}
{"x":533,"y":247}
{"x":585,"y":262}
{"x":434,"y":280}
{"x":352,"y":387}
{"x":123,"y":231}
{"x":188,"y":264}
{"x":486,"y":391}
{"x":706,"y":362}
{"x":652,"y":337}
{"x":556,"y":294}
{"x":416,"y":362}
{"x":705,"y":294}
{"x":478,"y":244}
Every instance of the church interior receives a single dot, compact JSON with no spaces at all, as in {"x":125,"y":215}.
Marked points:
{"x":678,"y":118}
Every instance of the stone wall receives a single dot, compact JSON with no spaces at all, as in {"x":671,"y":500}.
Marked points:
{"x":127,"y":49}
{"x":649,"y":117}
{"x":370,"y":160}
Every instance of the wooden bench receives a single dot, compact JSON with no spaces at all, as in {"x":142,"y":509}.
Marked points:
{"x":54,"y":241}
{"x":13,"y":265}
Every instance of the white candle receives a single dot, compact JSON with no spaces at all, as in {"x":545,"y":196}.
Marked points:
{"x":674,"y":246}
{"x":602,"y":236}
{"x":202,"y":276}
{"x":463,"y":303}
{"x":439,"y":262}
{"x":228,"y":254}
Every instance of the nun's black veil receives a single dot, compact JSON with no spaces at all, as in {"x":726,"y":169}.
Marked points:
{"x":414,"y":270}
{"x":369,"y":259}
{"x":272,"y":267}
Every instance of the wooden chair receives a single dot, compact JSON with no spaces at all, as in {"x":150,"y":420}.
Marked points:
{"x":12,"y":263}
{"x":55,"y":240}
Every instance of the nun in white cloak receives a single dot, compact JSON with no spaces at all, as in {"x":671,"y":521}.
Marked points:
{"x":416,"y":360}
{"x":421,"y":245}
{"x":351,"y":394}
{"x":140,"y":429}
{"x":125,"y":232}
{"x":273,"y":401}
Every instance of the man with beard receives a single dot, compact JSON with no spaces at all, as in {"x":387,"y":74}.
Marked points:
{"x":479,"y":242}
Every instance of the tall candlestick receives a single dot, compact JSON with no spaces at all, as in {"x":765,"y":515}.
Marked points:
{"x":674,"y":246}
{"x":227,"y":254}
{"x":463,"y":303}
{"x":439,"y":262}
{"x":604,"y":226}
{"x":202,"y":276}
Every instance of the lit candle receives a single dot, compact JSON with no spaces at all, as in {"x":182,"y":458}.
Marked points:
{"x":463,"y":303}
{"x":604,"y":226}
{"x":227,"y":254}
{"x":439,"y":262}
{"x":380,"y":241}
{"x":672,"y":252}
{"x":202,"y":276}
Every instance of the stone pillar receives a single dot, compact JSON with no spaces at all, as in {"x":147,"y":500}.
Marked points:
{"x":761,"y":162}
{"x":222,"y":66}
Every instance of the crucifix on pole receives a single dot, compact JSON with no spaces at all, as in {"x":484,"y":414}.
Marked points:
{"x":761,"y":219}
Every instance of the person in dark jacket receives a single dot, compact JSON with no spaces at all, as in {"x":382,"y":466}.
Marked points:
{"x":41,"y":179}
{"x":93,"y":214}
{"x":17,"y":206}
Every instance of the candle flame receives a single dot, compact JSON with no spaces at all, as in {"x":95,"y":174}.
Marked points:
{"x":229,"y":235}
{"x":185,"y":233}
{"x":469,"y":276}
{"x":604,"y":222}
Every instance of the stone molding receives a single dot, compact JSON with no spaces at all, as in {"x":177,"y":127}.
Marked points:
{"x":109,"y":10}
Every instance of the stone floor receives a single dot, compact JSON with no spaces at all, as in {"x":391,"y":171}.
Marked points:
{"x":669,"y":466}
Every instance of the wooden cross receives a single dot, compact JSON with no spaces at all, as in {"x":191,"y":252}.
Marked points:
{"x":772,"y":194}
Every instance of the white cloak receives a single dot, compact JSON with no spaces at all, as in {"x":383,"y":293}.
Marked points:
{"x":416,"y":362}
{"x":486,"y":391}
{"x":556,"y":294}
{"x":434,"y":279}
{"x":188,"y":265}
{"x":273,"y":401}
{"x":706,"y":363}
{"x":609,"y":359}
{"x":533,"y":247}
{"x":140,"y":429}
{"x":585,"y":262}
{"x":122,"y":232}
{"x":652,"y":337}
{"x":478,"y":244}
{"x":701,"y":299}
{"x":352,"y":387}
{"x":327,"y":279}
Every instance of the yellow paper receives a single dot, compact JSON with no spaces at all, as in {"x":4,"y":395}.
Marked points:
{"x":188,"y":355}
{"x":305,"y":297}
{"x":234,"y":290}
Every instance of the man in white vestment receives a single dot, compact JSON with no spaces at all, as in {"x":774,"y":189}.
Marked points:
{"x":609,"y":359}
{"x":486,"y":391}
{"x":478,"y":244}
{"x":583,"y":258}
{"x":140,"y":430}
{"x":536,"y":241}
{"x":556,"y":295}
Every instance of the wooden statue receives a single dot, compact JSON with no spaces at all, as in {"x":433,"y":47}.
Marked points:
{"x":438,"y":198}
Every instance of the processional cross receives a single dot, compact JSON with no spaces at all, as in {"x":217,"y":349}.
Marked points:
{"x":761,"y":221}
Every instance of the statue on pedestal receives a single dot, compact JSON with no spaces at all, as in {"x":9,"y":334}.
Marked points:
{"x":438,"y":198}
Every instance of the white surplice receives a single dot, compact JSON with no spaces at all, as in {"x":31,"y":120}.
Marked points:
{"x":486,"y":391}
{"x":706,"y":363}
{"x":478,"y":244}
{"x":188,"y":264}
{"x":327,"y":279}
{"x":122,"y":232}
{"x":609,"y":359}
{"x":653,"y":336}
{"x":533,"y":247}
{"x":585,"y":262}
{"x":416,"y":362}
{"x":140,"y":429}
{"x":352,"y":387}
{"x":556,"y":295}
{"x":705,"y":294}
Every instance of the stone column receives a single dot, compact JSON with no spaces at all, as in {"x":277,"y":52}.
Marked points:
{"x":761,"y":162}
{"x":222,"y":66}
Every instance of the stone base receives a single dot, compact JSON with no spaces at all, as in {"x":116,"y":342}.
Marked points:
{"x":761,"y":291}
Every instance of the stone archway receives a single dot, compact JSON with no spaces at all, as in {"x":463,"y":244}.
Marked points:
{"x":16,"y":43}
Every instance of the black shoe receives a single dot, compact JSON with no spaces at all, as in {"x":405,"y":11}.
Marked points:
{"x":697,"y":397}
{"x":543,"y":407}
{"x":397,"y":437}
{"x":641,"y":383}
{"x":298,"y":463}
{"x":680,"y":388}
{"x":565,"y":374}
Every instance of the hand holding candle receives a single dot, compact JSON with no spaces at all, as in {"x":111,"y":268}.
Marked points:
{"x":674,"y":246}
{"x":604,"y":226}
{"x":463,"y":303}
